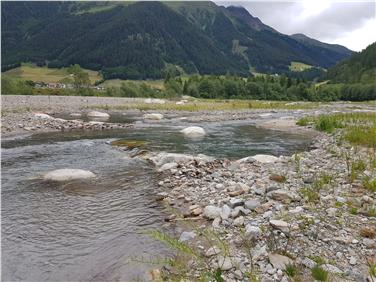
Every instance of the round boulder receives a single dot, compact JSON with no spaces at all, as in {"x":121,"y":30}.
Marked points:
{"x":95,"y":114}
{"x":67,"y":174}
{"x":153,"y":116}
{"x":193,"y":131}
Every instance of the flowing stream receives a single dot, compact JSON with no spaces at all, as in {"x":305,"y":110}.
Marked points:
{"x":95,"y":230}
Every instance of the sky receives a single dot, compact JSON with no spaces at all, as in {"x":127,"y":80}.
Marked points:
{"x":349,"y":23}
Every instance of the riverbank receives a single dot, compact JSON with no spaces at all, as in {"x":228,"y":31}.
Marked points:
{"x":306,"y":217}
{"x":22,"y":114}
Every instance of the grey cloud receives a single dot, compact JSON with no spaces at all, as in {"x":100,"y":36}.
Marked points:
{"x":339,"y":18}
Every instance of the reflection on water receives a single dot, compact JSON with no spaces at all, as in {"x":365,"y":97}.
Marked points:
{"x":91,"y":230}
{"x":80,"y":230}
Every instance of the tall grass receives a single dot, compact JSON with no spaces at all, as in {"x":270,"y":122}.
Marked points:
{"x":359,"y":128}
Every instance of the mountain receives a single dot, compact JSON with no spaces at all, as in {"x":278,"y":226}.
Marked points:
{"x":359,"y":68}
{"x":141,"y":40}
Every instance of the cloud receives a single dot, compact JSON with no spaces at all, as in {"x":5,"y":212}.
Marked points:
{"x":347,"y":23}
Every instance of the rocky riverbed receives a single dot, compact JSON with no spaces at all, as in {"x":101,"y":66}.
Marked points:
{"x":274,"y":218}
{"x":270,"y":213}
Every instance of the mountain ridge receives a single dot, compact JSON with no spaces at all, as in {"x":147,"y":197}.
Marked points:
{"x":146,"y":39}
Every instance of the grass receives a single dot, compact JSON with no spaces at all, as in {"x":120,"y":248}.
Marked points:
{"x":44,"y":74}
{"x":310,"y":194}
{"x":359,"y":128}
{"x":319,"y":273}
{"x":291,"y":270}
{"x":214,"y":105}
{"x":369,"y":184}
{"x":156,"y":84}
{"x":299,"y":66}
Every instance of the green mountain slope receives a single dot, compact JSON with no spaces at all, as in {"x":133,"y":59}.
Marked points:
{"x":361,"y":67}
{"x":141,"y":40}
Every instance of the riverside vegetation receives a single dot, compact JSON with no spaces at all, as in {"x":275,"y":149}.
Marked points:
{"x":308,"y":217}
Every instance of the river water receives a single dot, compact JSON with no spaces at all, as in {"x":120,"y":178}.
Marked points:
{"x":95,"y":230}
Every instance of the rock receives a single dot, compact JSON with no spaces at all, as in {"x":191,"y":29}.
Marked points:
{"x":280,"y":225}
{"x":193,"y":131}
{"x":297,"y":210}
{"x":331,"y":268}
{"x":216,"y":222}
{"x":162,"y":158}
{"x":252,"y":231}
{"x":153,"y":116}
{"x":42,"y":116}
{"x":281,"y":195}
{"x":331,"y":212}
{"x":265,"y":158}
{"x":236,"y":203}
{"x":224,"y":263}
{"x":167,"y":166}
{"x":225,"y":212}
{"x":259,"y":252}
{"x":212,"y":212}
{"x":95,"y":114}
{"x":213,"y":251}
{"x":353,"y":261}
{"x":186,"y":236}
{"x":307,"y":262}
{"x":75,"y":114}
{"x":239,"y":221}
{"x":278,"y":261}
{"x":67,"y":174}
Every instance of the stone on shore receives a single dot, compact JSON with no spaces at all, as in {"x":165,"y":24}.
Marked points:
{"x":67,"y":174}
{"x":193,"y":131}
{"x":280,"y":225}
{"x":42,"y":116}
{"x":265,"y":158}
{"x":278,"y":261}
{"x":212,"y":212}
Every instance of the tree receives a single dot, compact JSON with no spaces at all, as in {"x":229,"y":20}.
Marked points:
{"x":80,"y":78}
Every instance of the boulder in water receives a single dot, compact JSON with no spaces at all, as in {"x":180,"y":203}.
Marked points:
{"x":193,"y":131}
{"x":67,"y":174}
{"x":153,"y":116}
{"x":95,"y":114}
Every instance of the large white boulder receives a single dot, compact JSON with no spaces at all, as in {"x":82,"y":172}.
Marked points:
{"x":193,"y":131}
{"x":265,"y":158}
{"x":164,"y":158}
{"x":42,"y":116}
{"x":153,"y":116}
{"x":67,"y":174}
{"x":95,"y":114}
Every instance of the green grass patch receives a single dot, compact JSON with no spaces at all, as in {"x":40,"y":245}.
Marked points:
{"x":299,"y":66}
{"x":47,"y":75}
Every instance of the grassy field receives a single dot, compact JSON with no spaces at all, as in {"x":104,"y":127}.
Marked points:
{"x":298,"y":66}
{"x":214,"y":105}
{"x":156,"y":84}
{"x":44,"y":74}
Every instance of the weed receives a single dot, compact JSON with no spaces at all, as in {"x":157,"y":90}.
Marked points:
{"x":353,"y":211}
{"x":310,"y":195}
{"x":319,"y":273}
{"x":370,"y":184}
{"x":291,"y":270}
{"x":327,"y":124}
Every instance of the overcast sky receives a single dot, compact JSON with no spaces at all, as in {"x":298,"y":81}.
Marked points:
{"x":349,"y":23}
